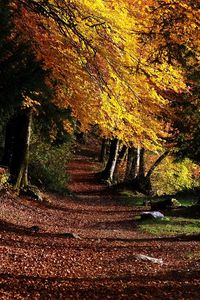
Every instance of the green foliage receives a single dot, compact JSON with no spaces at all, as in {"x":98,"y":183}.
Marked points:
{"x":171,"y":177}
{"x":193,"y":256}
{"x":171,"y":226}
{"x":48,"y":165}
{"x":49,"y":122}
{"x":130,"y":198}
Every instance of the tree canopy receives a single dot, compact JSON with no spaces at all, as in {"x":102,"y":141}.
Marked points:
{"x":111,"y":59}
{"x":114,"y":63}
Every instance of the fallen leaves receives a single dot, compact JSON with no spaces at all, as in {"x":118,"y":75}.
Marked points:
{"x":103,"y":264}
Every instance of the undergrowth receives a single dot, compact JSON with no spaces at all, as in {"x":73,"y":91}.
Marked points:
{"x":48,"y":165}
{"x":172,"y":176}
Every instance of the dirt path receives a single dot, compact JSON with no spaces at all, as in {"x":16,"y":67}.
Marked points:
{"x":103,"y":263}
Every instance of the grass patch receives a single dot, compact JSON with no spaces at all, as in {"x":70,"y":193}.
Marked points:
{"x":187,"y":200}
{"x":194,"y":256}
{"x":129,"y":198}
{"x":171,"y":226}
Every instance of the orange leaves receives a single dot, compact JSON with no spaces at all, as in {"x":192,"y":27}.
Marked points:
{"x":101,"y":69}
{"x":68,"y":126}
{"x":172,"y":22}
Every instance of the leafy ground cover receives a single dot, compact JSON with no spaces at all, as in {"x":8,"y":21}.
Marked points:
{"x":102,"y":262}
{"x":171,"y":226}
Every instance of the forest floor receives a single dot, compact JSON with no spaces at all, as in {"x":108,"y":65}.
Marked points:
{"x":102,"y":260}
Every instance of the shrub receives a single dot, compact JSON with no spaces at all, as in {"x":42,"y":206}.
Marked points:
{"x":171,"y":177}
{"x":48,"y":165}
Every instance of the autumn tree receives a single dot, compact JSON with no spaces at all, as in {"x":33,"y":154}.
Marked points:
{"x":174,"y":31}
{"x":108,"y":173}
{"x":101,"y":70}
{"x":173,"y":38}
{"x":104,"y":58}
{"x":23,"y":89}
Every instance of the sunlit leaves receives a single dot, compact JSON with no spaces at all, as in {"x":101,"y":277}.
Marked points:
{"x":105,"y":69}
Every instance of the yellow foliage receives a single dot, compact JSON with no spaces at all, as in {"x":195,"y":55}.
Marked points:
{"x":30,"y":103}
{"x":68,"y":126}
{"x":103,"y":71}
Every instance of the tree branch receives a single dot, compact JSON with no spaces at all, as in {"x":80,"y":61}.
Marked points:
{"x":157,"y":162}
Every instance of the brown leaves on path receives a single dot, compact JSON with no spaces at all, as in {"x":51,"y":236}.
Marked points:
{"x":103,"y":263}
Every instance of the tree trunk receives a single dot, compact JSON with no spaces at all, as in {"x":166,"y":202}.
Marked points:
{"x":157,"y":162}
{"x":137,"y":165}
{"x":118,"y":173}
{"x":8,"y":144}
{"x":138,"y":179}
{"x":135,"y":178}
{"x":20,"y":151}
{"x":107,"y":173}
{"x":131,"y":165}
{"x":141,"y":166}
{"x":103,"y":153}
{"x":122,"y":153}
{"x":142,"y":181}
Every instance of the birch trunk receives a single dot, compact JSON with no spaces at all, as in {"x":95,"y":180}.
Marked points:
{"x":108,"y":172}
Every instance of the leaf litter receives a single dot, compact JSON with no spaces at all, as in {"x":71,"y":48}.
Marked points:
{"x":88,"y":247}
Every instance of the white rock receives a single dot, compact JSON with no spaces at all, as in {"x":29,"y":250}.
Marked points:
{"x":149,"y":258}
{"x":152,"y":215}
